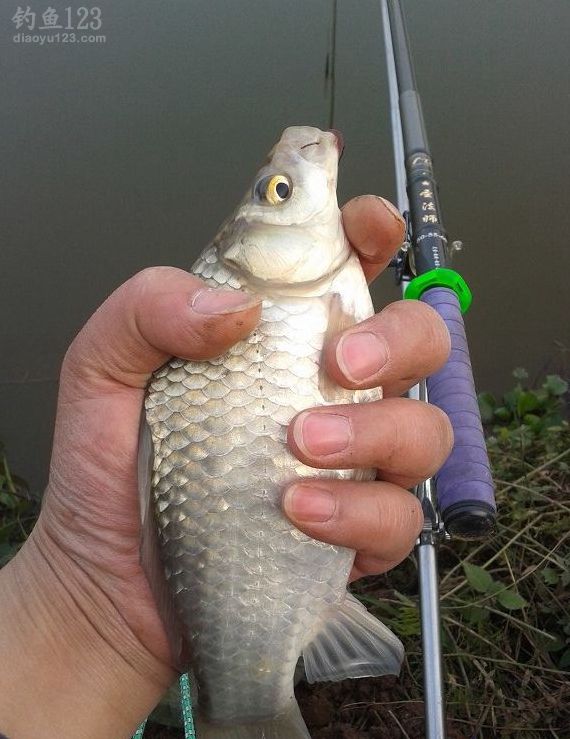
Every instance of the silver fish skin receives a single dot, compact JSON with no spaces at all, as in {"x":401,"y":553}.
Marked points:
{"x":237,"y":584}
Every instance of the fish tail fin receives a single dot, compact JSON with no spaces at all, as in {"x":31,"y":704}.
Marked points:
{"x":286,"y":725}
{"x":352,"y":643}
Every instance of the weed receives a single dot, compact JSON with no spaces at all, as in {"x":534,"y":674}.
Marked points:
{"x":18,"y":511}
{"x":505,"y":604}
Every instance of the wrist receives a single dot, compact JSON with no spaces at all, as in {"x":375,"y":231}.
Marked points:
{"x":72,"y":667}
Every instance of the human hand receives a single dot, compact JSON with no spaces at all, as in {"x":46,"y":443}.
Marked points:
{"x":84,"y":652}
{"x":406,"y":440}
{"x":76,"y":597}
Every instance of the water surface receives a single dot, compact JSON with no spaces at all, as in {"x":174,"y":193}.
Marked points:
{"x":128,"y":153}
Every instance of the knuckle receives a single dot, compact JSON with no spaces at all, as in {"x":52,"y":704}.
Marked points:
{"x":79,"y":365}
{"x":429,"y":456}
{"x":435,"y":333}
{"x":427,"y":437}
{"x":81,"y":352}
{"x":143,"y":279}
{"x":397,"y":520}
{"x":160,"y":279}
{"x":148,"y":278}
{"x":429,"y":328}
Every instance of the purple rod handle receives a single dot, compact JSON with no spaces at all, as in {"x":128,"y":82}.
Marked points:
{"x":465,"y":490}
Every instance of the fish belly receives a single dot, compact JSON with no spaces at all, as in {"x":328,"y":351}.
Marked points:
{"x":248,"y":586}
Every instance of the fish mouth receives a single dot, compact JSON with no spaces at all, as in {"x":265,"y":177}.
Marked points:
{"x":339,"y":140}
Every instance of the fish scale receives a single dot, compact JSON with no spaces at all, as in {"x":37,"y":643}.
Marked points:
{"x":210,"y":451}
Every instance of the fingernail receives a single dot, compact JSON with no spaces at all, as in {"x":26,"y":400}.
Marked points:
{"x":361,"y":355}
{"x":211,"y":301}
{"x":391,"y":208}
{"x":307,"y":503}
{"x":319,"y":434}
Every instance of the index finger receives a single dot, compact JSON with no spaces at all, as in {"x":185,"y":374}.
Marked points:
{"x":375,"y":229}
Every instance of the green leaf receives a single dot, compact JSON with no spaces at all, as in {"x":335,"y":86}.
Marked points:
{"x":512,"y":398}
{"x":479,"y":579}
{"x":503,"y":434}
{"x":526,"y":402}
{"x":8,"y":501}
{"x":503,"y":414}
{"x":487,"y":404}
{"x":552,"y":420}
{"x":495,"y":586}
{"x":550,"y":576}
{"x":511,"y":600}
{"x":555,"y":385}
{"x":555,"y":645}
{"x":476,"y":615}
{"x":532,"y":421}
{"x":519,"y":373}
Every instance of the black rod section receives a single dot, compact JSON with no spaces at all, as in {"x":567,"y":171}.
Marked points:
{"x":464,"y":484}
{"x":430,"y":237}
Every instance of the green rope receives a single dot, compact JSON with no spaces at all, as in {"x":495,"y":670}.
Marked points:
{"x":186,"y":703}
{"x":139,"y":733}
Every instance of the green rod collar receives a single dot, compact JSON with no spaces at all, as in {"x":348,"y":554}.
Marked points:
{"x":440,"y":277}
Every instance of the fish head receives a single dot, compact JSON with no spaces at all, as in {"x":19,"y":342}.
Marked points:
{"x":288,"y":230}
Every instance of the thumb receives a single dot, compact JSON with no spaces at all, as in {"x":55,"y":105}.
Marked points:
{"x":159,"y":313}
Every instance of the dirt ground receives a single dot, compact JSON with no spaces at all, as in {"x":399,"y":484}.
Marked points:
{"x":372,"y":708}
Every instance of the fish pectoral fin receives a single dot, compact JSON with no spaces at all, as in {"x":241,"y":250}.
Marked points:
{"x":352,"y":643}
{"x":150,"y":548}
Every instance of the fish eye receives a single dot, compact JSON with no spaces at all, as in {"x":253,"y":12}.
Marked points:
{"x":273,"y":189}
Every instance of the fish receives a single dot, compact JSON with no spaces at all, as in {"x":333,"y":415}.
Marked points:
{"x":245,"y":595}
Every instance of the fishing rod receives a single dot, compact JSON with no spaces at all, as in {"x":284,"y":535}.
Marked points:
{"x":459,"y":501}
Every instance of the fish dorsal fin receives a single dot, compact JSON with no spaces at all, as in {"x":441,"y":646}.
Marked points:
{"x":352,"y":643}
{"x":150,"y":547}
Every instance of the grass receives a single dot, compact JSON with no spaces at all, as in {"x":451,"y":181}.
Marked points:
{"x":18,"y":510}
{"x":505,"y":603}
